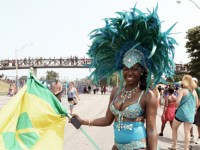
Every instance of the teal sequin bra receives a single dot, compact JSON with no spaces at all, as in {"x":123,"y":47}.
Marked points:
{"x":131,"y":112}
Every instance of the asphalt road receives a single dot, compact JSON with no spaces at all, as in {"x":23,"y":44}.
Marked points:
{"x":92,"y":106}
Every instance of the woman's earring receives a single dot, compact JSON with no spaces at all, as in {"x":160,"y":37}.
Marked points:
{"x":142,"y":73}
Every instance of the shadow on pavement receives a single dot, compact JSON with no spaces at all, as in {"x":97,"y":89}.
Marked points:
{"x":168,"y":140}
{"x":195,"y":147}
{"x":164,"y":139}
{"x":180,"y":144}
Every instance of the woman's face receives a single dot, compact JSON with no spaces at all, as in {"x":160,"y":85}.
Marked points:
{"x":71,"y":84}
{"x":132,"y":75}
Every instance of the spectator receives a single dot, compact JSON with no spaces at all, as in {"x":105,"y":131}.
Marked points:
{"x":187,"y":102}
{"x":73,"y":96}
{"x":197,"y":117}
{"x":57,"y":89}
{"x":169,"y":110}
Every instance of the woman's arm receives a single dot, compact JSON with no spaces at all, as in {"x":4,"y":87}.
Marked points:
{"x":103,"y":121}
{"x":77,"y":94}
{"x":151,"y":112}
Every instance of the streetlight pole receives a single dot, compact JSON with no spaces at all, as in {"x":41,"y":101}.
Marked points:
{"x":179,"y":1}
{"x":16,"y":64}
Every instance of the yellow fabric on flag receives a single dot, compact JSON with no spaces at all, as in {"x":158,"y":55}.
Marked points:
{"x":32,"y":120}
{"x":10,"y":113}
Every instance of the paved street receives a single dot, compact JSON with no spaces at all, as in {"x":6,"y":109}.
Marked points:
{"x":92,"y":106}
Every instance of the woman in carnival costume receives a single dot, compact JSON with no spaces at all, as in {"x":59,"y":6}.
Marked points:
{"x":132,"y":45}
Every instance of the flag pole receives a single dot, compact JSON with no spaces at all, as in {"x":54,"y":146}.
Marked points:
{"x":86,"y":135}
{"x":90,"y":139}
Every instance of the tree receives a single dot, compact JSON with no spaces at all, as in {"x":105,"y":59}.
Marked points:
{"x":193,"y":48}
{"x":111,"y":81}
{"x":51,"y":75}
{"x":178,"y":77}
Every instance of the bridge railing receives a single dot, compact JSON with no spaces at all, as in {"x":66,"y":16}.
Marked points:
{"x":45,"y":63}
{"x":73,"y":62}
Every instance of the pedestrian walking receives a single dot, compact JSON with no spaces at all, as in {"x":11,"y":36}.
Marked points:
{"x":197,"y":117}
{"x":94,"y":88}
{"x":168,"y":110}
{"x":72,"y":96}
{"x":89,"y":89}
{"x":187,"y":102}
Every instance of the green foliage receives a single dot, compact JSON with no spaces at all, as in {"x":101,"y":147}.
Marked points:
{"x":103,"y":81}
{"x":114,"y":80}
{"x":3,"y":87}
{"x":111,"y":81}
{"x":51,"y":75}
{"x":178,"y":77}
{"x":193,"y":48}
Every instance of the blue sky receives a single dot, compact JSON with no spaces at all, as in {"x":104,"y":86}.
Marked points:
{"x":60,"y":28}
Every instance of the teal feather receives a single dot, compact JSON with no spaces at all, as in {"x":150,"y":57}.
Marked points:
{"x":153,"y":51}
{"x":132,"y":30}
{"x":169,"y":30}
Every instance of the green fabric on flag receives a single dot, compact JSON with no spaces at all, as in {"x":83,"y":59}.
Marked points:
{"x":29,"y":139}
{"x":10,"y":141}
{"x":32,"y":119}
{"x":24,"y":122}
{"x":37,"y":88}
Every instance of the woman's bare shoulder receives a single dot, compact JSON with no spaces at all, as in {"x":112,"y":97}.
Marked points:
{"x":150,"y":101}
{"x":150,"y":96}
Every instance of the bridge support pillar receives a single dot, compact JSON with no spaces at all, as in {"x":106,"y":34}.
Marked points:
{"x":34,"y":71}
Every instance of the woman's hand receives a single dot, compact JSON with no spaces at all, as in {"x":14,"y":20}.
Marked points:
{"x":83,"y":122}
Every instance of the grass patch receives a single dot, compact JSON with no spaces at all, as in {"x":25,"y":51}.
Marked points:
{"x":3,"y":88}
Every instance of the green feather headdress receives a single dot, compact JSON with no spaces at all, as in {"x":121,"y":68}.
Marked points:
{"x":132,"y":30}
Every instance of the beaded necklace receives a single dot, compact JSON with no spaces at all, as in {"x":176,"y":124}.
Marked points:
{"x":127,"y":94}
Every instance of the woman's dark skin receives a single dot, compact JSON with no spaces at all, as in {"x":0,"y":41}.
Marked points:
{"x":148,"y":104}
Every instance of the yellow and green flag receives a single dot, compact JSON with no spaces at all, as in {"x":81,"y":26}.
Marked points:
{"x":33,"y":119}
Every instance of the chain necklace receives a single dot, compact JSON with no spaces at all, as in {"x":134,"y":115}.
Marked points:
{"x":127,"y":94}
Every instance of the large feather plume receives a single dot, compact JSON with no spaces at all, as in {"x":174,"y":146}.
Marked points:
{"x":133,"y":29}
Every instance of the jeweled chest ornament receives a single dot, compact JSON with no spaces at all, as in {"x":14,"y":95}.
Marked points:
{"x":127,"y":94}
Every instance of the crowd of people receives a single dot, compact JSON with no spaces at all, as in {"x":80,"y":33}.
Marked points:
{"x":134,"y":46}
{"x":97,"y":89}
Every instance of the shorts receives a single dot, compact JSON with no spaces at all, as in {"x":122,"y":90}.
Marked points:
{"x":197,"y":117}
{"x":178,"y":119}
{"x":72,"y":101}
